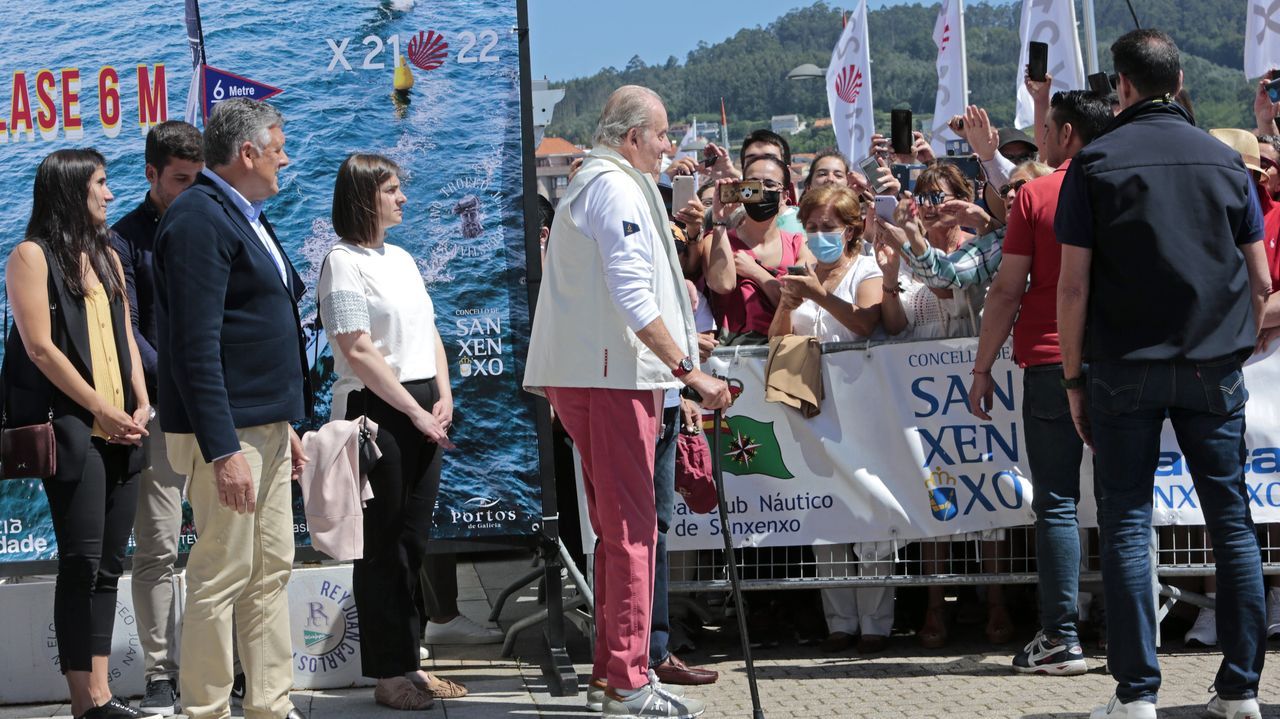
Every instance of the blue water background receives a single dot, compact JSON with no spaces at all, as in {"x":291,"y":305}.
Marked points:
{"x":459,"y":135}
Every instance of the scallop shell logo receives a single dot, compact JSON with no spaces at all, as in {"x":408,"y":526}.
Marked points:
{"x":849,"y":84}
{"x":428,"y":50}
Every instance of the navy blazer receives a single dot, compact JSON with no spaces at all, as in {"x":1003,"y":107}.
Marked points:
{"x":231,"y":350}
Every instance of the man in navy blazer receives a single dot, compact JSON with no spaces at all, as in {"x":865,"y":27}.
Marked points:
{"x":232,"y":376}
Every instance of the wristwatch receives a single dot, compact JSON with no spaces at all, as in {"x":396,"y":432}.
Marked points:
{"x":1073,"y":383}
{"x":683,"y":367}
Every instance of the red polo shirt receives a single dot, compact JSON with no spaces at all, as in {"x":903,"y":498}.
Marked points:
{"x":1271,"y":235}
{"x":1030,"y":233}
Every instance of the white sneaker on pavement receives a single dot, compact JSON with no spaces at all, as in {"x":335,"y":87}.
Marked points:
{"x":1138,"y":709}
{"x":1220,"y":708}
{"x":1204,"y":632}
{"x":423,"y":653}
{"x":1273,"y":612}
{"x":651,"y":702}
{"x":461,"y":630}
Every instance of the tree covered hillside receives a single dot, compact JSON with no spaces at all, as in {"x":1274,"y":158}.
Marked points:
{"x":749,"y":70}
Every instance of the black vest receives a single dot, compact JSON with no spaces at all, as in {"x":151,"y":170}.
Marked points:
{"x":28,"y":397}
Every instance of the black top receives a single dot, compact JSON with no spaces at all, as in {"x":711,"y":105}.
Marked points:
{"x":230,"y":342}
{"x":134,"y":240}
{"x":1164,"y":207}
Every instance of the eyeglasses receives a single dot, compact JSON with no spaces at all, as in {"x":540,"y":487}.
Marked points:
{"x":1012,"y":186}
{"x":1268,"y":164}
{"x":932,"y":199}
{"x":772,"y":185}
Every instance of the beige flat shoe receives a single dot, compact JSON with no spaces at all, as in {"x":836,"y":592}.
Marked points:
{"x":400,"y":693}
{"x":441,"y":688}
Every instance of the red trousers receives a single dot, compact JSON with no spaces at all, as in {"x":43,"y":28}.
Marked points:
{"x":615,"y":431}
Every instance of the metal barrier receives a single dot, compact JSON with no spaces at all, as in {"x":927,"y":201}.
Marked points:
{"x":998,"y":557}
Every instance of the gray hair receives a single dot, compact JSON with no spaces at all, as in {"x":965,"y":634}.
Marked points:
{"x":628,"y":107}
{"x":235,"y":122}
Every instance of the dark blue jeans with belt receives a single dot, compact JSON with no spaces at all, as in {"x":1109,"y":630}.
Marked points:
{"x":1205,"y":403}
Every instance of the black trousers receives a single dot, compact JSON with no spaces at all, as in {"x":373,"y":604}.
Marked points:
{"x":92,"y":519}
{"x":397,"y":524}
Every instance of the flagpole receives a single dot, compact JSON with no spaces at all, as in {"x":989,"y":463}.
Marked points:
{"x":1090,"y":37}
{"x":200,"y":29}
{"x":724,"y":125}
{"x":964,"y":61}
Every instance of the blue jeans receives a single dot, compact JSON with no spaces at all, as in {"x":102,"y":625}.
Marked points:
{"x":664,"y":493}
{"x":1205,"y":402}
{"x":1053,"y":453}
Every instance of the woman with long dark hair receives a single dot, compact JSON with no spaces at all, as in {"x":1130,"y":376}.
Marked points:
{"x":391,"y":368}
{"x":72,"y":359}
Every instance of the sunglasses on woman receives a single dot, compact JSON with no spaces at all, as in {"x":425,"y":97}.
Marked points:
{"x":1014,"y":186}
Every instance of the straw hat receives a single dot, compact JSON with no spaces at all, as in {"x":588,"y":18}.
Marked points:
{"x":1243,"y":142}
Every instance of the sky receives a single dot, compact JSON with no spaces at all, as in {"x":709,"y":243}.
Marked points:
{"x":573,"y":38}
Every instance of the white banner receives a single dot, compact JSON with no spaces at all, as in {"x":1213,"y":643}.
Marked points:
{"x":895,"y":454}
{"x":1262,"y":38}
{"x":953,"y":74}
{"x":849,"y":88}
{"x":1052,"y":22}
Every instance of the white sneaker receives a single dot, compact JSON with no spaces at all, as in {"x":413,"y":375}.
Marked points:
{"x":461,"y":630}
{"x":595,"y":696}
{"x":1204,"y":632}
{"x":423,"y":653}
{"x":1138,"y":709}
{"x":651,"y":702}
{"x":1220,"y":708}
{"x":1273,"y":612}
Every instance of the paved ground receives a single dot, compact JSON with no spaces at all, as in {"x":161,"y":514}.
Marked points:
{"x":964,"y":680}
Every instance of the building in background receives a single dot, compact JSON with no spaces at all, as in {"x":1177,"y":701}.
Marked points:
{"x":786,"y":124}
{"x":554,"y":156}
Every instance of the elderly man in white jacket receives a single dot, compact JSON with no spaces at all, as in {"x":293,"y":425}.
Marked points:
{"x":614,"y":329}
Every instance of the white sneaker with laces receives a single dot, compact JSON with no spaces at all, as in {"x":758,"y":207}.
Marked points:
{"x":1138,"y":709}
{"x":651,"y":702}
{"x":1273,"y":612}
{"x":461,"y":630}
{"x":1220,"y":708}
{"x":1204,"y":632}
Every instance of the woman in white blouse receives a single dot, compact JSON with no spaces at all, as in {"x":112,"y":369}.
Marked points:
{"x":838,"y":300}
{"x":392,"y":368}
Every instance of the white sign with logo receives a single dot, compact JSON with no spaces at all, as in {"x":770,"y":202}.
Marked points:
{"x":895,"y":454}
{"x":31,"y":667}
{"x":326,"y":629}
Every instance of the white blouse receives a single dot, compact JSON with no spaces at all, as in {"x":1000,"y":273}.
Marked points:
{"x":810,"y":319}
{"x":380,"y":292}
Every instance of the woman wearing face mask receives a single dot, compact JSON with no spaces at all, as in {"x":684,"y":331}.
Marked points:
{"x":743,"y":265}
{"x":838,"y":300}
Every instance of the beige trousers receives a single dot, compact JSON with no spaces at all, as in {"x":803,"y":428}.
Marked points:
{"x":155,"y":532}
{"x":238,"y":566}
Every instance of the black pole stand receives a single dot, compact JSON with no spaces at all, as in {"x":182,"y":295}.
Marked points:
{"x":756,"y":711}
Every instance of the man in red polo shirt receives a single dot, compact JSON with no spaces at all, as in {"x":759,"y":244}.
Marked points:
{"x":1053,"y":449}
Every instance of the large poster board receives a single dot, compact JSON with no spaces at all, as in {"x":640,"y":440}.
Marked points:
{"x":92,"y":74}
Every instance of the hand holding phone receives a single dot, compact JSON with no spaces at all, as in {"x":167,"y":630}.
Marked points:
{"x":1037,"y":60}
{"x":870,"y":168}
{"x":1273,"y":90}
{"x":900,"y":137}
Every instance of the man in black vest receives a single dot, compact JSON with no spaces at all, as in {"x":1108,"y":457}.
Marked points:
{"x":174,"y":158}
{"x":232,"y":376}
{"x":1162,"y":287}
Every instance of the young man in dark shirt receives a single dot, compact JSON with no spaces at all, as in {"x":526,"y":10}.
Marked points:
{"x":1162,"y":288}
{"x":174,"y":157}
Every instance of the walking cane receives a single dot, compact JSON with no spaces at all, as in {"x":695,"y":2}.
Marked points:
{"x":756,"y":711}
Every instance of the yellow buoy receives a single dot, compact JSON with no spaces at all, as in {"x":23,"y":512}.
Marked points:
{"x":403,"y":76}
